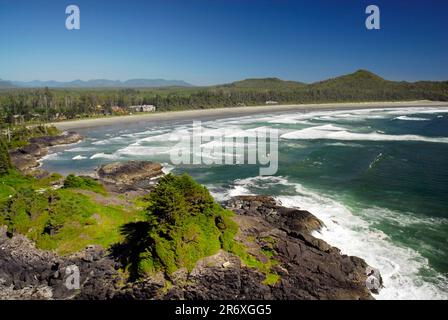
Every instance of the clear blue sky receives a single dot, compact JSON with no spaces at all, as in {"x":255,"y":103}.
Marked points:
{"x":216,"y":41}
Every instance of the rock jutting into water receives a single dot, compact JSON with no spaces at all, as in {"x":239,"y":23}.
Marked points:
{"x":26,"y":158}
{"x":131,"y":174}
{"x":307,"y":268}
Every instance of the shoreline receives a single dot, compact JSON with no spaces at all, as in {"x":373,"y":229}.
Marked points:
{"x":366,"y":106}
{"x":236,"y":111}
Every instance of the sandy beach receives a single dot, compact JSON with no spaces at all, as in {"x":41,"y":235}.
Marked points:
{"x":236,"y":111}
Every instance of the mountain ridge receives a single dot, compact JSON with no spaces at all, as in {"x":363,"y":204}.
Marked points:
{"x":361,"y":79}
{"x":101,"y":83}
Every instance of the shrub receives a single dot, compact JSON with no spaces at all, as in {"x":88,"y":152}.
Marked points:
{"x":185,"y":224}
{"x":87,"y":183}
{"x":5,"y":160}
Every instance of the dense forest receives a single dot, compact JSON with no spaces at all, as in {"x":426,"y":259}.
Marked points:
{"x":43,"y":104}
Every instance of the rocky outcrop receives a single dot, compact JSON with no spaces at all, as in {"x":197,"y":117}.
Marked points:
{"x":50,"y":141}
{"x":26,"y":158}
{"x":30,"y":273}
{"x":307,"y":267}
{"x":130,"y":175}
{"x":289,"y":219}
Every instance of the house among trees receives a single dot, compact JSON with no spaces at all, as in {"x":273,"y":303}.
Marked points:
{"x":118,"y":110}
{"x":17,"y":119}
{"x":143,"y":108}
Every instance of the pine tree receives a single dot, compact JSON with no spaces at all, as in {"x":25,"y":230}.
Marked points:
{"x":5,"y":160}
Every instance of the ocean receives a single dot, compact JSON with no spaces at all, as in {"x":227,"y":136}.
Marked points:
{"x":377,"y":178}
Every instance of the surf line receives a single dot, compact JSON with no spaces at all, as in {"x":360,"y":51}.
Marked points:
{"x":229,"y":147}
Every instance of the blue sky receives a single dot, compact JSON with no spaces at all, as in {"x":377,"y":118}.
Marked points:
{"x":217,"y":41}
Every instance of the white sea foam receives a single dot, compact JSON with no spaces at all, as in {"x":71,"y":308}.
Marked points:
{"x":103,"y":155}
{"x":400,"y":267}
{"x":114,"y":140}
{"x":406,"y":118}
{"x":167,"y":168}
{"x":136,"y":150}
{"x":50,"y":156}
{"x":81,"y":149}
{"x":331,"y":132}
{"x":79,"y":157}
{"x":410,"y":111}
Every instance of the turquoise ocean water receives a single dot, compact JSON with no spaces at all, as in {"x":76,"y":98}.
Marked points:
{"x":378,"y":178}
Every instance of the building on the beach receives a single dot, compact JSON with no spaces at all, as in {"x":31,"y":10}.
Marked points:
{"x":143,"y":108}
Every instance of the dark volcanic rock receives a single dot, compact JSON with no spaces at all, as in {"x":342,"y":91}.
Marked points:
{"x":288,"y":219}
{"x":26,"y":158}
{"x":308,"y":268}
{"x":30,"y":273}
{"x":50,"y":141}
{"x":131,"y":174}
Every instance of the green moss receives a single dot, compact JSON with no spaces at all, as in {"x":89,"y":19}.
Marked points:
{"x":173,"y":227}
{"x":49,"y":180}
{"x":86,"y":183}
{"x":19,"y":135}
{"x":61,"y":220}
{"x":271,"y":279}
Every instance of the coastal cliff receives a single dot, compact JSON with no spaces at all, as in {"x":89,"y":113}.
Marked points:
{"x":306,"y":267}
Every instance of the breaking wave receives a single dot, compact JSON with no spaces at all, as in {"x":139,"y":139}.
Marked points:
{"x":400,"y":267}
{"x":331,"y":132}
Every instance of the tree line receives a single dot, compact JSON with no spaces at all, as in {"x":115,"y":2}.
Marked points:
{"x":43,"y":105}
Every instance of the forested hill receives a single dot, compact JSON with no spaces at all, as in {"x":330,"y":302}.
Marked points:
{"x":265,"y":83}
{"x":67,"y":103}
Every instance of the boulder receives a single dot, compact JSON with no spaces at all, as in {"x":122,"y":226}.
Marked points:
{"x":289,"y":219}
{"x":131,"y":174}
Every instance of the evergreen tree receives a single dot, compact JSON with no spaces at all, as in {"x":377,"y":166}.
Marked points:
{"x":5,"y":160}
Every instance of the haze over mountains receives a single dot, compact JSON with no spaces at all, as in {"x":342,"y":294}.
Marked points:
{"x":96,"y":83}
{"x":359,"y":80}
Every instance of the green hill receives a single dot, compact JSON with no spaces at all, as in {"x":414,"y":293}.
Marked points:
{"x":73,"y":103}
{"x":364,"y":85}
{"x":358,"y":79}
{"x":265,"y":83}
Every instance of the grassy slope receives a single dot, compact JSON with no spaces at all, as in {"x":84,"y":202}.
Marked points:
{"x":63,"y":220}
{"x":68,"y":219}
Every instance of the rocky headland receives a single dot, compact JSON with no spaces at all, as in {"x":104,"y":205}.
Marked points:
{"x":306,"y":267}
{"x":26,"y":158}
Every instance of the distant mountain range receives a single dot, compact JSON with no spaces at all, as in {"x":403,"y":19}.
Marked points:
{"x":360,"y":80}
{"x":96,"y":83}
